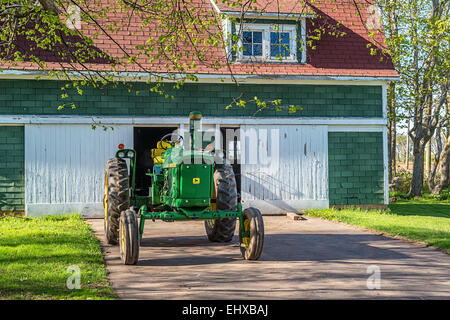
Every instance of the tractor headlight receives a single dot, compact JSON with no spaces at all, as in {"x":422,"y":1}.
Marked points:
{"x":121,"y":154}
{"x":130,"y":154}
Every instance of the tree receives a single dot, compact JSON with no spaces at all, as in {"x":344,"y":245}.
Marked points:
{"x":420,"y":50}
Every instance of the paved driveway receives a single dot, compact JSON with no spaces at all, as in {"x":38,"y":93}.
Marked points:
{"x":307,"y":259}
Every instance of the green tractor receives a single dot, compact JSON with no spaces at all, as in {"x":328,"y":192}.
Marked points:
{"x":187,"y":184}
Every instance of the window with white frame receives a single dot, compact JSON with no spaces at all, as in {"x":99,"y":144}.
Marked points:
{"x":270,"y":43}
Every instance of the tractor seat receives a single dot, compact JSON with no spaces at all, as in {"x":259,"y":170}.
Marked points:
{"x":158,"y":160}
{"x":163,"y":145}
{"x":157,"y":154}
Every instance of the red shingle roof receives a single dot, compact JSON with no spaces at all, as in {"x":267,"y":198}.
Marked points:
{"x":347,"y":55}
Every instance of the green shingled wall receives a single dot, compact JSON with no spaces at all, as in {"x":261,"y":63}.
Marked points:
{"x":43,"y":98}
{"x":355,"y":162}
{"x":12,"y":167}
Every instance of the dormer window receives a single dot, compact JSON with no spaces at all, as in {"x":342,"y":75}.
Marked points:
{"x":263,"y":42}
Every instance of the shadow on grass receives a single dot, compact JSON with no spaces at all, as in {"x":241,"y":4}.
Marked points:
{"x":421,"y":209}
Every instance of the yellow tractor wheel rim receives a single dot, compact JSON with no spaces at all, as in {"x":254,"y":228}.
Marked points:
{"x":123,"y":238}
{"x":105,"y":200}
{"x":246,"y":240}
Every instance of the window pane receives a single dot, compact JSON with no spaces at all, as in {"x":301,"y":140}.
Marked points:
{"x":284,"y":50}
{"x":247,"y":49}
{"x":284,"y":38}
{"x":257,"y":49}
{"x":274,"y":50}
{"x":273,"y":37}
{"x":257,"y":37}
{"x":247,"y":37}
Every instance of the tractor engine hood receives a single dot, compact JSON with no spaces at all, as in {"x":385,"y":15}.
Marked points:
{"x":178,"y":156}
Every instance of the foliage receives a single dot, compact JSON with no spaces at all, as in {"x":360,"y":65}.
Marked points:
{"x":418,"y":34}
{"x":36,"y":252}
{"x":444,"y":195}
{"x":399,"y":195}
{"x":404,"y":182}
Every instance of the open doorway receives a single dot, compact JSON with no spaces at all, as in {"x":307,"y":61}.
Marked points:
{"x":231,"y":145}
{"x":145,"y":139}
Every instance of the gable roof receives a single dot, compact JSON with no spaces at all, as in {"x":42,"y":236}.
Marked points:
{"x":345,"y":56}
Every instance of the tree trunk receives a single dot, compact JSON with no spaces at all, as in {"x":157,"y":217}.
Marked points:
{"x":437,"y":160}
{"x":417,"y":177}
{"x":444,"y":169}
{"x":407,"y":145}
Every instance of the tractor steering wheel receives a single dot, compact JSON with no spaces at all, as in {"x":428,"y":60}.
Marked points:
{"x":169,"y":138}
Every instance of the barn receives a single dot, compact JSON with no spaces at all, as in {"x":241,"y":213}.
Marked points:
{"x":332,"y":152}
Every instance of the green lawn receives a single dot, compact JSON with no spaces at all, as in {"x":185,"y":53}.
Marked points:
{"x":423,"y":220}
{"x":35,"y":254}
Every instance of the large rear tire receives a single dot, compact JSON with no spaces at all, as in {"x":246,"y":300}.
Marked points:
{"x":222,"y":230}
{"x":116,"y":198}
{"x":129,"y":237}
{"x":251,"y":238}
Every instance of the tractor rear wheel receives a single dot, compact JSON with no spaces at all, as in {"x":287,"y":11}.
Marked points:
{"x":251,"y":237}
{"x":129,"y":237}
{"x":222,"y":230}
{"x":116,"y":198}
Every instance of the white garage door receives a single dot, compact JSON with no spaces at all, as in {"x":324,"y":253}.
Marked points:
{"x":285,"y":168}
{"x":64,"y":167}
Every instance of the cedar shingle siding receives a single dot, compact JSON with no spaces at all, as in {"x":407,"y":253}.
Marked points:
{"x":43,"y":97}
{"x":12,"y":182}
{"x":355,"y":162}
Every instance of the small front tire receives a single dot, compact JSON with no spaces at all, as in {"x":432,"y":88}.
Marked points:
{"x":129,"y":237}
{"x":251,"y":237}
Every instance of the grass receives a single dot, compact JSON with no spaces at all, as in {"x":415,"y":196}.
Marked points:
{"x":422,"y":220}
{"x":35,"y":254}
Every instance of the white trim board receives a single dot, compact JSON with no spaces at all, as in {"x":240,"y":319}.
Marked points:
{"x":267,"y":15}
{"x":386,"y":169}
{"x":87,"y":210}
{"x":208,"y":78}
{"x":31,"y":119}
{"x":95,"y":210}
{"x":283,"y":206}
{"x":356,"y":128}
{"x":384,"y":99}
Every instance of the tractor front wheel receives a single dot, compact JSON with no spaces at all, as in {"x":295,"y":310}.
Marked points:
{"x":129,"y":237}
{"x":251,"y":234}
{"x":222,"y":230}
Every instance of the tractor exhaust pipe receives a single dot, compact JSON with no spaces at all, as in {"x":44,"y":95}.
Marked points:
{"x":194,"y":129}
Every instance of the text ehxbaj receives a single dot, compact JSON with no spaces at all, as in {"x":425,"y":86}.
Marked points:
{"x":230,"y":309}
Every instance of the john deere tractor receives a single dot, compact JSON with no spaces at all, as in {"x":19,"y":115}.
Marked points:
{"x":186,"y":184}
